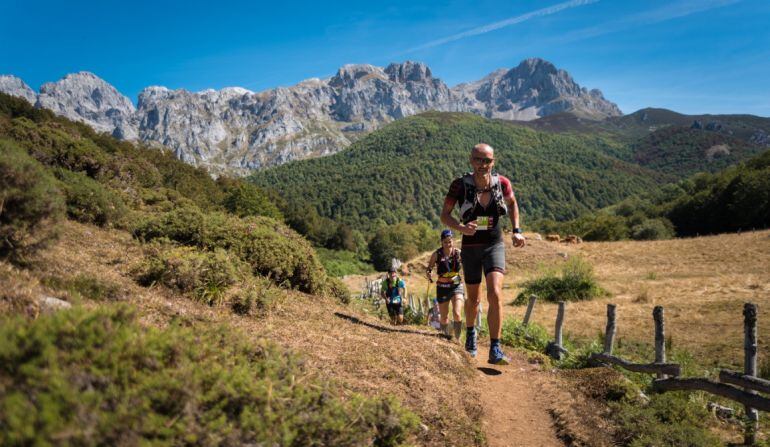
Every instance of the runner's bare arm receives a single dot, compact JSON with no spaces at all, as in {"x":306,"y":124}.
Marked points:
{"x":513,"y":208}
{"x":429,"y":268}
{"x":447,"y":219}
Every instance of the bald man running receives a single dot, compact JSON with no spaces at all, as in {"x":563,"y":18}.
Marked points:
{"x":483,"y":198}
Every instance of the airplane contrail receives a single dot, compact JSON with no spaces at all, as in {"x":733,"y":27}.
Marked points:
{"x":503,"y":23}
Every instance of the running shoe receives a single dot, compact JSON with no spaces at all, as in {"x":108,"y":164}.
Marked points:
{"x":497,"y":356}
{"x":471,"y":345}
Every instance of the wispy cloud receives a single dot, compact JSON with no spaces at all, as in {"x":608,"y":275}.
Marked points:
{"x":671,"y":11}
{"x":503,"y":23}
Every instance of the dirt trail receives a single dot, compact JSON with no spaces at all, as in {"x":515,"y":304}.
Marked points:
{"x":516,"y":400}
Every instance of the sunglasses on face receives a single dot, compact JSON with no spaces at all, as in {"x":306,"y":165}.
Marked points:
{"x":483,"y":160}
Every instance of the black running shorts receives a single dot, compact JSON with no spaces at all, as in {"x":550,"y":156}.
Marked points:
{"x":445,"y":291}
{"x":395,"y":309}
{"x":486,"y":258}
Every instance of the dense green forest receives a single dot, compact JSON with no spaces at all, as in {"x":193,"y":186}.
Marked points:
{"x":734,"y":199}
{"x":401,"y":173}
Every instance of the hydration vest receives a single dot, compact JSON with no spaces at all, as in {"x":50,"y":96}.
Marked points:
{"x":471,"y":199}
{"x":452,"y":267}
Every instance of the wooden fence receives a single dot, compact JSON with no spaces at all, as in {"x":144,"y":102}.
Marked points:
{"x":742,"y":387}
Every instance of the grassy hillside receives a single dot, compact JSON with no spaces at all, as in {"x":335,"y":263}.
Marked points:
{"x":402,"y":172}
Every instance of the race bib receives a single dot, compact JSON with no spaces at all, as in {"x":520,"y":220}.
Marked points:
{"x":483,"y":223}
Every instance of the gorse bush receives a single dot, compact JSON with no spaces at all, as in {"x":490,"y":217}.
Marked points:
{"x":100,"y":378}
{"x":575,"y":282}
{"x":30,"y":203}
{"x":203,"y":274}
{"x":89,"y":201}
{"x":267,"y":246}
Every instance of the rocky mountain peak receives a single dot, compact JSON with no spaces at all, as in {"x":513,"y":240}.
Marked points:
{"x":14,"y":86}
{"x":409,"y":71}
{"x":236,"y":130}
{"x":352,"y":74}
{"x":86,"y":97}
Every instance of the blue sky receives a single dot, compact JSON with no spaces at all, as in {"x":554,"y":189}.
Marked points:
{"x":692,"y":56}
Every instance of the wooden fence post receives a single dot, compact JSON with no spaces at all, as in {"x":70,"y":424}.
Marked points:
{"x":559,"y":323}
{"x":530,"y":306}
{"x":660,"y":337}
{"x":609,"y":332}
{"x":750,"y":367}
{"x":555,"y":349}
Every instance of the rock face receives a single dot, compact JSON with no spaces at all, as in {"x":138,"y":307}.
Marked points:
{"x":14,"y":86}
{"x":236,"y":130}
{"x":85,"y":97}
{"x":534,"y":89}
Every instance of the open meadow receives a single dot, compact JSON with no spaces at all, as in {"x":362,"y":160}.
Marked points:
{"x":701,"y":282}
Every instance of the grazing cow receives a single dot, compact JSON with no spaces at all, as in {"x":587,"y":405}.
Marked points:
{"x":573,"y":239}
{"x":552,"y":238}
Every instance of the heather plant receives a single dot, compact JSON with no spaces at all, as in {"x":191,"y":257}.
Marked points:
{"x":89,"y":201}
{"x":204,"y":275}
{"x":30,"y":203}
{"x":99,"y":377}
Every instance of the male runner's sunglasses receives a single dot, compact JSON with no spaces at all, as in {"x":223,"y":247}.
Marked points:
{"x":485,"y":161}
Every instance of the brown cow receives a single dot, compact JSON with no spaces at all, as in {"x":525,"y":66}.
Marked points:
{"x":573,"y":239}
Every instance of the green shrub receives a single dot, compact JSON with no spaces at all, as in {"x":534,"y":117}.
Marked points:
{"x":606,"y":228}
{"x":653,"y":229}
{"x":100,"y":378}
{"x":55,"y":145}
{"x":30,"y":203}
{"x":532,"y":337}
{"x":85,"y":286}
{"x":576,"y":282}
{"x":669,"y":419}
{"x":337,"y":289}
{"x":268,"y":246}
{"x":89,"y":201}
{"x":245,"y":199}
{"x":253,"y":296}
{"x":340,"y":263}
{"x":205,"y":275}
{"x":184,"y":225}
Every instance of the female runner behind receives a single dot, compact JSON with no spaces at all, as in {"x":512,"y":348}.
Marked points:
{"x":449,"y":284}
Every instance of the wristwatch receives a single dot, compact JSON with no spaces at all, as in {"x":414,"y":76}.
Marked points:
{"x":517,"y":230}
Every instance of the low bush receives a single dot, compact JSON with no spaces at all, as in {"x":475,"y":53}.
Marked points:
{"x":89,"y":201}
{"x":669,"y":419}
{"x":85,"y":286}
{"x":83,"y":377}
{"x":575,"y":282}
{"x":269,"y":247}
{"x":340,"y":263}
{"x":653,"y":229}
{"x":532,"y":337}
{"x":205,"y":275}
{"x":30,"y":203}
{"x":254,"y":296}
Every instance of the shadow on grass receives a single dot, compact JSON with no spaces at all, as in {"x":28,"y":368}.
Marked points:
{"x":357,"y":320}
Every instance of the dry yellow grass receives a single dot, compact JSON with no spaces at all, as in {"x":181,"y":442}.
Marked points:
{"x":701,"y":282}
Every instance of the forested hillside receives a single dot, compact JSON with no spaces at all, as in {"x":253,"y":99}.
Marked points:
{"x":402,"y":172}
{"x":734,"y":199}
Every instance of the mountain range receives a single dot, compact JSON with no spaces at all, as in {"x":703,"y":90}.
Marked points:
{"x":236,"y":130}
